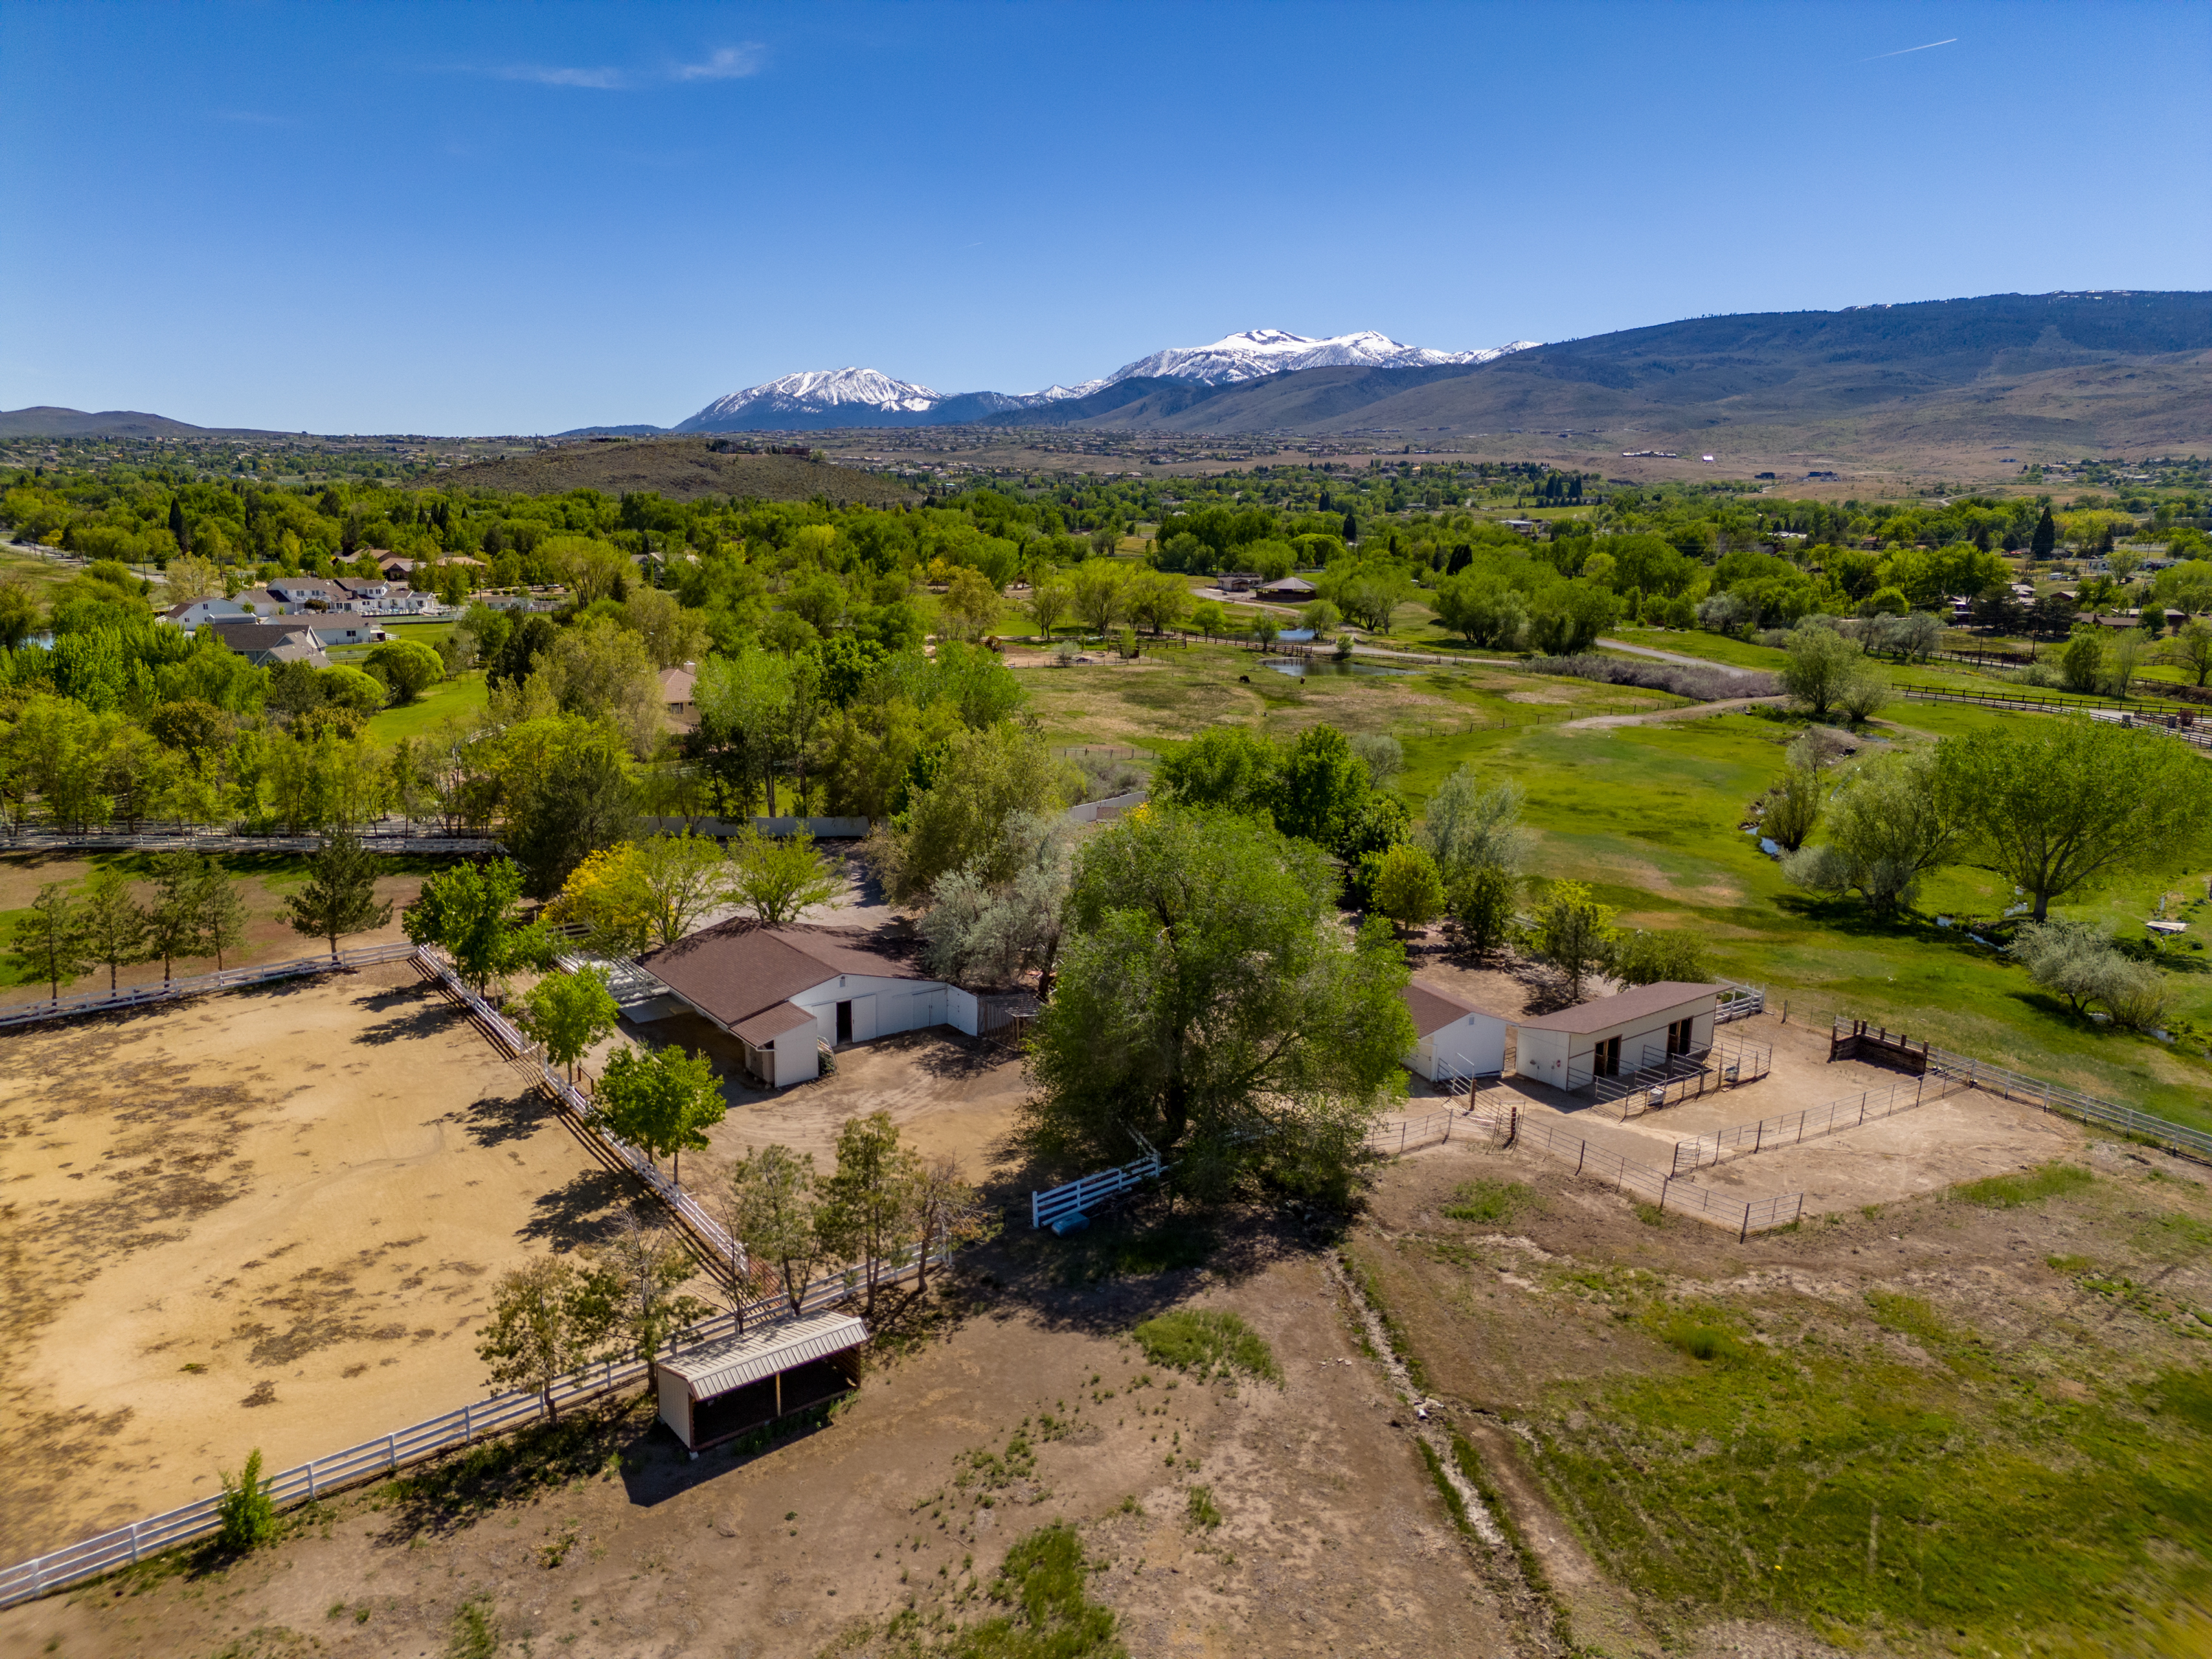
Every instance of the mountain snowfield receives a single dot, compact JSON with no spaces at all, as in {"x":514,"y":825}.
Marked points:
{"x":813,"y":394}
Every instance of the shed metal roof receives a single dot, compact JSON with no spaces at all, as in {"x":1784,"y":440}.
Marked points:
{"x":1602,"y":1013}
{"x":722,"y":1366}
{"x":1433,"y":1008}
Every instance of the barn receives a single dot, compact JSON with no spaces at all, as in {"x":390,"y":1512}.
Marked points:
{"x":1616,"y":1035}
{"x":724,"y":1390}
{"x":1456,"y":1038}
{"x":784,"y":993}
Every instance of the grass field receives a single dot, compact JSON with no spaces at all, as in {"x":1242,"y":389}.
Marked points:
{"x":1650,"y":815}
{"x":448,"y":700}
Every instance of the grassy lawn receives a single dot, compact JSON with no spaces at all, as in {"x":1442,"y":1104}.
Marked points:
{"x":1696,"y":642}
{"x":448,"y":700}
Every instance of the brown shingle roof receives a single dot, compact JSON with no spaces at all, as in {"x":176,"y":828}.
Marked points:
{"x":736,"y":970}
{"x":764,"y":1027}
{"x":1601,"y":1012}
{"x":1433,"y":1008}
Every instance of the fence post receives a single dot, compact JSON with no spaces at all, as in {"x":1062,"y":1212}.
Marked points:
{"x":1744,"y":1232}
{"x":468,"y":1431}
{"x":134,"y":1539}
{"x":391,"y":1451}
{"x":311,"y":1490}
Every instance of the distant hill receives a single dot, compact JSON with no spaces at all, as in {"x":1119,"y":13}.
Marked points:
{"x":2075,"y":367}
{"x":682,"y":469}
{"x":46,"y":422}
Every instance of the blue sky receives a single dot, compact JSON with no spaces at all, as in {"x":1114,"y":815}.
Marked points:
{"x":488,"y":218}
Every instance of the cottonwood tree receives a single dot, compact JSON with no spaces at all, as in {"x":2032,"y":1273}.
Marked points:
{"x":778,"y":877}
{"x":50,"y":939}
{"x":1050,"y":602}
{"x":569,"y":1013}
{"x":2058,"y":804}
{"x":1098,"y":593}
{"x":548,"y":1320}
{"x":1405,"y":885}
{"x":469,"y":911}
{"x":1573,"y":932}
{"x":867,"y":1204}
{"x":985,"y":777}
{"x":970,"y":606}
{"x":1648,"y":958}
{"x":1210,"y":1004}
{"x":1894,"y":819}
{"x":774,"y":1199}
{"x":637,"y":895}
{"x":339,"y":896}
{"x":1824,"y":672}
{"x":662,"y":1100}
{"x":2191,"y":649}
{"x":114,"y":928}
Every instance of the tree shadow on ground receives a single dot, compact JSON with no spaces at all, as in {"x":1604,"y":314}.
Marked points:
{"x":942,"y":1053}
{"x":451,"y":1492}
{"x":422,"y":1018}
{"x":491,"y":1121}
{"x":576,"y":1211}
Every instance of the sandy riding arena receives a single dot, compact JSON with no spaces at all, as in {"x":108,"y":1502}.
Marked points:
{"x":267,"y":1218}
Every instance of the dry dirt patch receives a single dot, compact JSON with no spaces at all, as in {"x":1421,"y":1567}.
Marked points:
{"x":267,"y":1219}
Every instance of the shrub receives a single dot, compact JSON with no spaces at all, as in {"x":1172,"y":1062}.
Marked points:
{"x":1646,"y":958}
{"x":1486,"y":1200}
{"x":247,"y":1513}
{"x":2011,"y":1192}
{"x":1703,"y":1341}
{"x":1698,"y":684}
{"x":2084,"y":966}
{"x":1203,"y":1510}
{"x":1207,"y":1344}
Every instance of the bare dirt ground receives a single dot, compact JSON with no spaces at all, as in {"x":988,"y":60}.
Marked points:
{"x":268,"y":937}
{"x":264,"y":1218}
{"x":1332,"y":1539}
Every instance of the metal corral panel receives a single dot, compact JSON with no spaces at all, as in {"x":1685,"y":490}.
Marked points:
{"x":709,"y":1371}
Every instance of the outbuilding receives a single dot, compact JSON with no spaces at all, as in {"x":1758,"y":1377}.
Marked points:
{"x":787,"y":993}
{"x":720,"y":1391}
{"x":1291,"y":590}
{"x":1456,"y":1038}
{"x":1616,"y":1035}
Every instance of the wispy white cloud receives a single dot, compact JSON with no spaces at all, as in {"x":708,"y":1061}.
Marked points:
{"x":725,"y":64}
{"x":1905,"y":51}
{"x":556,"y":75}
{"x":729,"y":63}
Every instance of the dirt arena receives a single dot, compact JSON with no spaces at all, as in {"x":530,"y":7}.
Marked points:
{"x":267,"y":1218}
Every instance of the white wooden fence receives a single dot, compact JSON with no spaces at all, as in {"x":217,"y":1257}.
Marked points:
{"x":231,"y":979}
{"x":1077,"y":1196}
{"x":1738,"y":1002}
{"x":200,"y":838}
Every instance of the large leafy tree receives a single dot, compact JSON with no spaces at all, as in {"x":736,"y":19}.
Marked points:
{"x":777,"y":877}
{"x":469,"y":912}
{"x":663,"y":1100}
{"x":868,"y":1204}
{"x":114,"y":926}
{"x":339,"y":897}
{"x":1210,"y":1002}
{"x":771,"y":1208}
{"x":547,"y":1320}
{"x":569,"y":1013}
{"x":2055,"y":804}
{"x":50,"y":940}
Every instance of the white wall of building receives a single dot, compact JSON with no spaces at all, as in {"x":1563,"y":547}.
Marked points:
{"x":1473,"y":1045}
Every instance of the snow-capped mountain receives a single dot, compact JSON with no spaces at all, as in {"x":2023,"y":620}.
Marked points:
{"x":867,"y":397}
{"x":1259,"y":351}
{"x":816,"y":391}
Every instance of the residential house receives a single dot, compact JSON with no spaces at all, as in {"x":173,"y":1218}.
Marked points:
{"x":263,"y":643}
{"x":677,"y":687}
{"x":190,"y":615}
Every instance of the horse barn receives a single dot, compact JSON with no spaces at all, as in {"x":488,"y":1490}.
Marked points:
{"x":1456,"y":1038}
{"x":720,"y":1391}
{"x":1615,"y":1036}
{"x":788,"y":993}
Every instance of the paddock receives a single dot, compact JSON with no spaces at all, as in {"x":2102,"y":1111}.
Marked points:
{"x":268,"y":1218}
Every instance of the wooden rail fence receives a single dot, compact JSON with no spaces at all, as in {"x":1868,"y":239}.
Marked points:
{"x":230,"y":979}
{"x":1792,"y":1128}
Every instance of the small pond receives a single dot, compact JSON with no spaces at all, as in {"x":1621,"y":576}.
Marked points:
{"x":1300,"y":668}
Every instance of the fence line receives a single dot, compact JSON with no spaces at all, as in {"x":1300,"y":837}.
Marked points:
{"x":1738,"y":1002}
{"x":1663,"y":1186}
{"x":186,"y":838}
{"x":2063,"y":1102}
{"x":1056,"y":1204}
{"x":688,"y":1209}
{"x":1392,"y":1141}
{"x":126,"y":1546}
{"x":1791,"y":1128}
{"x":230,"y":979}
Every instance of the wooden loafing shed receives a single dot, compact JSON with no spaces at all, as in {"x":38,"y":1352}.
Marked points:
{"x":1616,"y":1035}
{"x":1455,"y":1038}
{"x":719,"y":1392}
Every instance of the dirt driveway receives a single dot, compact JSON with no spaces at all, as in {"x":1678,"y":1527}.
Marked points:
{"x":267,"y":1219}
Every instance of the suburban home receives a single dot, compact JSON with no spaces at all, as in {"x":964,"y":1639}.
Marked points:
{"x":190,"y":615}
{"x":676,"y":691}
{"x":297,"y":593}
{"x":261,"y":643}
{"x":1615,"y":1036}
{"x":1456,"y":1038}
{"x":787,"y":993}
{"x":1237,"y":582}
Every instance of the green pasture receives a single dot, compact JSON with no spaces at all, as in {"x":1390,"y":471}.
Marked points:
{"x":449,"y":699}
